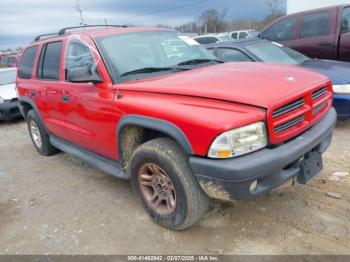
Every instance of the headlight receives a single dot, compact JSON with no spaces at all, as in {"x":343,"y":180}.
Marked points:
{"x":2,"y":100}
{"x":341,"y":89}
{"x":240,"y":141}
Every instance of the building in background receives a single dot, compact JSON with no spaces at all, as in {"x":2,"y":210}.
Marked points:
{"x":294,"y":6}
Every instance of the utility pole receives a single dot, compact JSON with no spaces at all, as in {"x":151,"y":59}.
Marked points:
{"x":106,"y":22}
{"x":78,"y":8}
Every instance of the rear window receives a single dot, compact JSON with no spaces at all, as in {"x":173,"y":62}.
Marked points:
{"x":316,"y":24}
{"x":49,"y":63}
{"x":26,"y":68}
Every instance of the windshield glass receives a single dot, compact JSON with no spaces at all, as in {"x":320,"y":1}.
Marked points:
{"x":275,"y":53}
{"x":160,"y":49}
{"x":7,"y":77}
{"x":253,"y":34}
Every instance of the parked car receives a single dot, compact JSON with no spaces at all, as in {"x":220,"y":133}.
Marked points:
{"x":209,"y":39}
{"x":322,"y":33}
{"x":270,"y":52}
{"x":244,"y":34}
{"x":182,"y":128}
{"x":9,"y":60}
{"x":8,"y":96}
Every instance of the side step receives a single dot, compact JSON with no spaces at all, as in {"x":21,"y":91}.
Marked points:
{"x":104,"y":164}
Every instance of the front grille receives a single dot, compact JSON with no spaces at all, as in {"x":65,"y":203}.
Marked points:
{"x":317,"y":94}
{"x":288,"y":108}
{"x":289,"y":120}
{"x":289,"y":124}
{"x":319,"y":107}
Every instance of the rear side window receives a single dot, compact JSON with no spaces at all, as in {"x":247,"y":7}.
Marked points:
{"x":282,"y":30}
{"x":26,"y":67}
{"x":231,"y":55}
{"x":207,"y":40}
{"x":316,"y":24}
{"x":49,"y":63}
{"x":243,"y":35}
{"x":346,"y":20}
{"x":234,"y":35}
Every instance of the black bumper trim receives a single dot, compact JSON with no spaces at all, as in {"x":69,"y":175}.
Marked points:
{"x":271,"y":167}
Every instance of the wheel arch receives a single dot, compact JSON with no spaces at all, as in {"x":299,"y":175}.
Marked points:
{"x":25,"y":105}
{"x":161,"y":127}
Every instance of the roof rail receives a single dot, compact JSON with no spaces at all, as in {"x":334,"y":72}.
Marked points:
{"x":45,"y":35}
{"x":63,"y":30}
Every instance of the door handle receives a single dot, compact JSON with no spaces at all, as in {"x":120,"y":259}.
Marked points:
{"x":33,"y":93}
{"x":326,"y":43}
{"x":65,"y":98}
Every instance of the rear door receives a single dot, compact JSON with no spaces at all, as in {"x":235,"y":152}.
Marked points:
{"x":49,"y":79}
{"x":283,"y":31}
{"x":317,"y":36}
{"x":344,"y":43}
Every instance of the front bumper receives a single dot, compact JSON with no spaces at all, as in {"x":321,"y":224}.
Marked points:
{"x":9,"y":111}
{"x":230,"y":179}
{"x":341,"y":104}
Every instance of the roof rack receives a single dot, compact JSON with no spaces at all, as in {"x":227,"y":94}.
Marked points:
{"x":63,"y":30}
{"x":39,"y":37}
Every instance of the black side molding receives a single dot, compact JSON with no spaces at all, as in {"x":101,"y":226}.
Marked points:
{"x":104,"y":164}
{"x":158,"y":125}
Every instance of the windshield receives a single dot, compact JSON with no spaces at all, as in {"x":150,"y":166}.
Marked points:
{"x":274,"y":53}
{"x":8,"y":77}
{"x":125,"y":53}
{"x":253,"y":34}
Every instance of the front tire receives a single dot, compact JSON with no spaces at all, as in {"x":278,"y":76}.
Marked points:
{"x":161,"y":176}
{"x":39,"y":135}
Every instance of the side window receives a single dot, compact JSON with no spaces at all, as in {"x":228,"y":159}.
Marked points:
{"x":282,"y":30}
{"x":26,"y":67}
{"x":316,"y":24}
{"x":78,"y":56}
{"x":243,"y":35}
{"x":234,"y":35}
{"x":231,"y":55}
{"x":49,"y":62}
{"x":346,"y":20}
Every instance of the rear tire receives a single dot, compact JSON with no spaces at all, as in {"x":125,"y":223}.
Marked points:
{"x":162,"y":178}
{"x":39,"y":135}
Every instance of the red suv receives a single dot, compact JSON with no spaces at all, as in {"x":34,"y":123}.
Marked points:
{"x":153,"y":105}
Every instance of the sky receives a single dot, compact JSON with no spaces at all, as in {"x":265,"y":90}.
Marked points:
{"x":22,"y":20}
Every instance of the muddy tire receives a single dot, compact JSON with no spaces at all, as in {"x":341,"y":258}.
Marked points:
{"x":162,"y":178}
{"x":39,"y":135}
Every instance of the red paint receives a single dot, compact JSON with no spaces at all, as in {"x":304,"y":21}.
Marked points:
{"x":202,"y":102}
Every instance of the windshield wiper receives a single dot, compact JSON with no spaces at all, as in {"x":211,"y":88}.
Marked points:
{"x":198,"y":61}
{"x":146,"y":70}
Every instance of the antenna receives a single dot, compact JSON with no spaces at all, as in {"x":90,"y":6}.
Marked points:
{"x":80,"y":11}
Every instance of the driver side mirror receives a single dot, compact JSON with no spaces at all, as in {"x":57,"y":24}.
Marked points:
{"x":84,"y":74}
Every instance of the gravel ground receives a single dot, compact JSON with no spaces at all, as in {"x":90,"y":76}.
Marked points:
{"x":59,"y":205}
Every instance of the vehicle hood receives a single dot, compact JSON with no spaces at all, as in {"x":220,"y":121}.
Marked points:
{"x":8,"y":91}
{"x":257,"y":84}
{"x":338,"y":72}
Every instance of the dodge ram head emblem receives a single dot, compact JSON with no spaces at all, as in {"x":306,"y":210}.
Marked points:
{"x":291,"y":78}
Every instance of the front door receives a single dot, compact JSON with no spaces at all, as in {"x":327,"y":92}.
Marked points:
{"x":91,"y":114}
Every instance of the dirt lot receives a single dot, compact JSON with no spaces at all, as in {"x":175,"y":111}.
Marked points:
{"x":59,"y":205}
